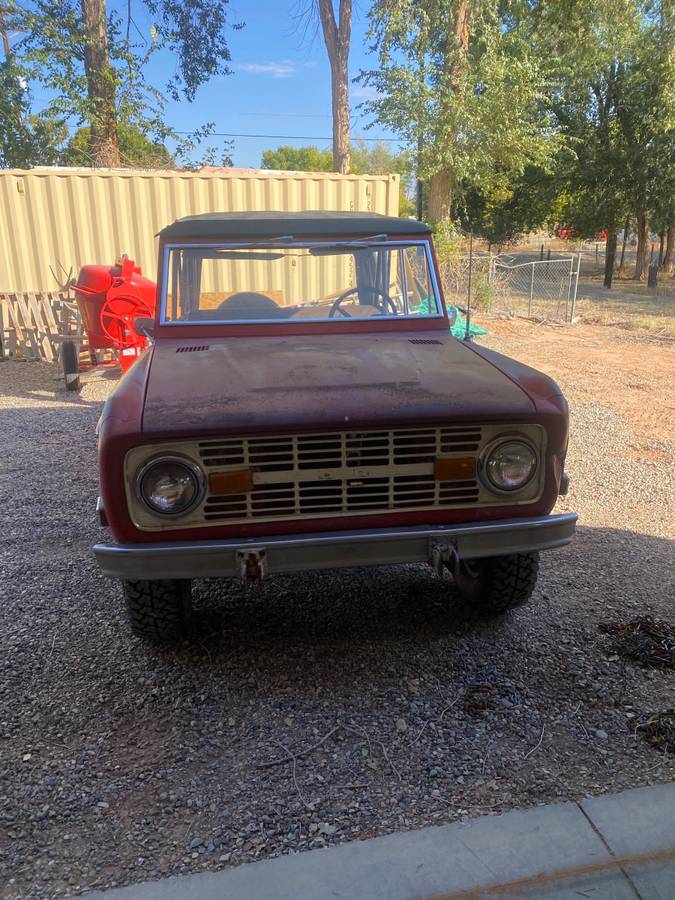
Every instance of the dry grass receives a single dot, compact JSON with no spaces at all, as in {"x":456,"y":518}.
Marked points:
{"x":654,"y":315}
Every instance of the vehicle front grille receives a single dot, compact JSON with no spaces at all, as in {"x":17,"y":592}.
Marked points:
{"x":340,"y":473}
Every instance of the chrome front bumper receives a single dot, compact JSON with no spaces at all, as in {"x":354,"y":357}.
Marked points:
{"x":340,"y":549}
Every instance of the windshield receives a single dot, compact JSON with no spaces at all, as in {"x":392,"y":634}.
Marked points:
{"x":271,"y":282}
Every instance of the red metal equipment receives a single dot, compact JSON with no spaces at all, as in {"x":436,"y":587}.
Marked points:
{"x":110,"y":298}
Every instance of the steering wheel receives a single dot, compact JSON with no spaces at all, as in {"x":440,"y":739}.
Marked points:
{"x":383,"y":306}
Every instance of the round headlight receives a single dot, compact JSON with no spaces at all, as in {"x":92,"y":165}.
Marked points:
{"x":511,"y":465}
{"x":169,"y":486}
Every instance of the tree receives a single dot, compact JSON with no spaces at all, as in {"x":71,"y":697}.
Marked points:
{"x":377,"y":159}
{"x":337,"y":37}
{"x":462,"y":90}
{"x":101,"y":85}
{"x":298,"y":159}
{"x":86,"y":58}
{"x":607,"y":69}
{"x":25,"y":140}
{"x":135,"y":148}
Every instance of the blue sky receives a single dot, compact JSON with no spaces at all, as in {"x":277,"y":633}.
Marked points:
{"x":280,"y":84}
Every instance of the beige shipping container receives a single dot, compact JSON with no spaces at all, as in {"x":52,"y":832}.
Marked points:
{"x":53,"y":221}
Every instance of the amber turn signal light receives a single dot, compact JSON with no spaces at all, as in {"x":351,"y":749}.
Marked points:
{"x":452,"y":468}
{"x":239,"y":482}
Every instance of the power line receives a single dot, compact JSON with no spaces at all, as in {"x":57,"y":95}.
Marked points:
{"x":282,"y":115}
{"x":290,"y":137}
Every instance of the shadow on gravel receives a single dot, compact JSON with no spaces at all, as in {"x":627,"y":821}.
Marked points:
{"x":388,"y":604}
{"x":353,"y":609}
{"x":400,"y":707}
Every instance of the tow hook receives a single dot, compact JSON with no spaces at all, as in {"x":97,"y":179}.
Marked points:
{"x":444,"y":556}
{"x":252,"y":564}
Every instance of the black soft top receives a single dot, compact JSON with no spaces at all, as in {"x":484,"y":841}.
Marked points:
{"x":280,"y":224}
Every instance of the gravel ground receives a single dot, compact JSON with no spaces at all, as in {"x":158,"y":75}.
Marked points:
{"x":121,"y":764}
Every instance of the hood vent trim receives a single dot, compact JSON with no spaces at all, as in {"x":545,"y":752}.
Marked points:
{"x":198,"y":348}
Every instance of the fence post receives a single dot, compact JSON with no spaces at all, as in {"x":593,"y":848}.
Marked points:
{"x":529,"y":302}
{"x":467,"y":333}
{"x":576,"y":285}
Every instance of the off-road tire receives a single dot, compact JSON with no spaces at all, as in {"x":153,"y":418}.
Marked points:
{"x":502,"y":582}
{"x":159,"y":611}
{"x":71,"y":365}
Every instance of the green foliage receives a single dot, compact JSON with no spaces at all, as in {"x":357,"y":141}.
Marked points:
{"x":51,"y":51}
{"x":477,"y":115}
{"x":554,"y":112}
{"x":298,"y":159}
{"x":448,"y":242}
{"x":196,"y":31}
{"x":25,"y":140}
{"x":136,"y":150}
{"x":614,"y":106}
{"x":379,"y":159}
{"x":375,"y":159}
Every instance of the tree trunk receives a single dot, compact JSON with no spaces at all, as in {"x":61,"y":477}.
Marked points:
{"x":610,"y":254}
{"x":103,"y":145}
{"x":668,"y":253}
{"x":662,"y":238}
{"x":340,"y":101}
{"x":623,"y":243}
{"x":337,"y":36}
{"x":641,"y":253}
{"x":440,"y":197}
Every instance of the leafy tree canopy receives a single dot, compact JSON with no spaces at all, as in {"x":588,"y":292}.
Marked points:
{"x":472,"y":111}
{"x":298,"y":159}
{"x":52,"y":51}
{"x":366,"y":159}
{"x":136,"y":150}
{"x":25,"y":140}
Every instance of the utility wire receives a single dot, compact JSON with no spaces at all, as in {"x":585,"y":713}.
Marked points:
{"x":291,"y":137}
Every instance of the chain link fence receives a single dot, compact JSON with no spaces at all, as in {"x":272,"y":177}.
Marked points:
{"x":542,"y":289}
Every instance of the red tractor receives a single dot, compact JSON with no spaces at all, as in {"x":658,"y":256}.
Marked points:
{"x":111,"y":299}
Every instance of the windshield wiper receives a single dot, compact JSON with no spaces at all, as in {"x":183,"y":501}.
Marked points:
{"x":359,"y":244}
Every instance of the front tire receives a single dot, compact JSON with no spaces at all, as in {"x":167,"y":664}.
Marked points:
{"x":498,"y":583}
{"x":159,"y":611}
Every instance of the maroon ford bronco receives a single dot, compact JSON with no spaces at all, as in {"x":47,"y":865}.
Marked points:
{"x":305,"y":406}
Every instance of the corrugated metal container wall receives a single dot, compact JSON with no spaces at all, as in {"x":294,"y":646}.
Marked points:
{"x":52,"y":221}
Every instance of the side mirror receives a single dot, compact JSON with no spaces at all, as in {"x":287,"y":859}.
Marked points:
{"x":145,"y":326}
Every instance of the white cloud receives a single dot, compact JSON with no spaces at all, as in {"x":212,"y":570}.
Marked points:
{"x":275,"y":69}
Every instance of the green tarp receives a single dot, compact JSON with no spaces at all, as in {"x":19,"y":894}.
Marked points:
{"x":458,"y":327}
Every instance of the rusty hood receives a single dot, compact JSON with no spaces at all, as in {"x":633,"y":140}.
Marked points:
{"x":254,"y":384}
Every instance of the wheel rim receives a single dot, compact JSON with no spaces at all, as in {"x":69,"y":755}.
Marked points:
{"x":117,"y":319}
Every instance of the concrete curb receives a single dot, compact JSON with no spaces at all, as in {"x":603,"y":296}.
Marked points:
{"x":620,"y":846}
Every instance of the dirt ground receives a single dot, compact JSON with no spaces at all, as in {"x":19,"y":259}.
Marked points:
{"x":323,"y":707}
{"x":633,"y":375}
